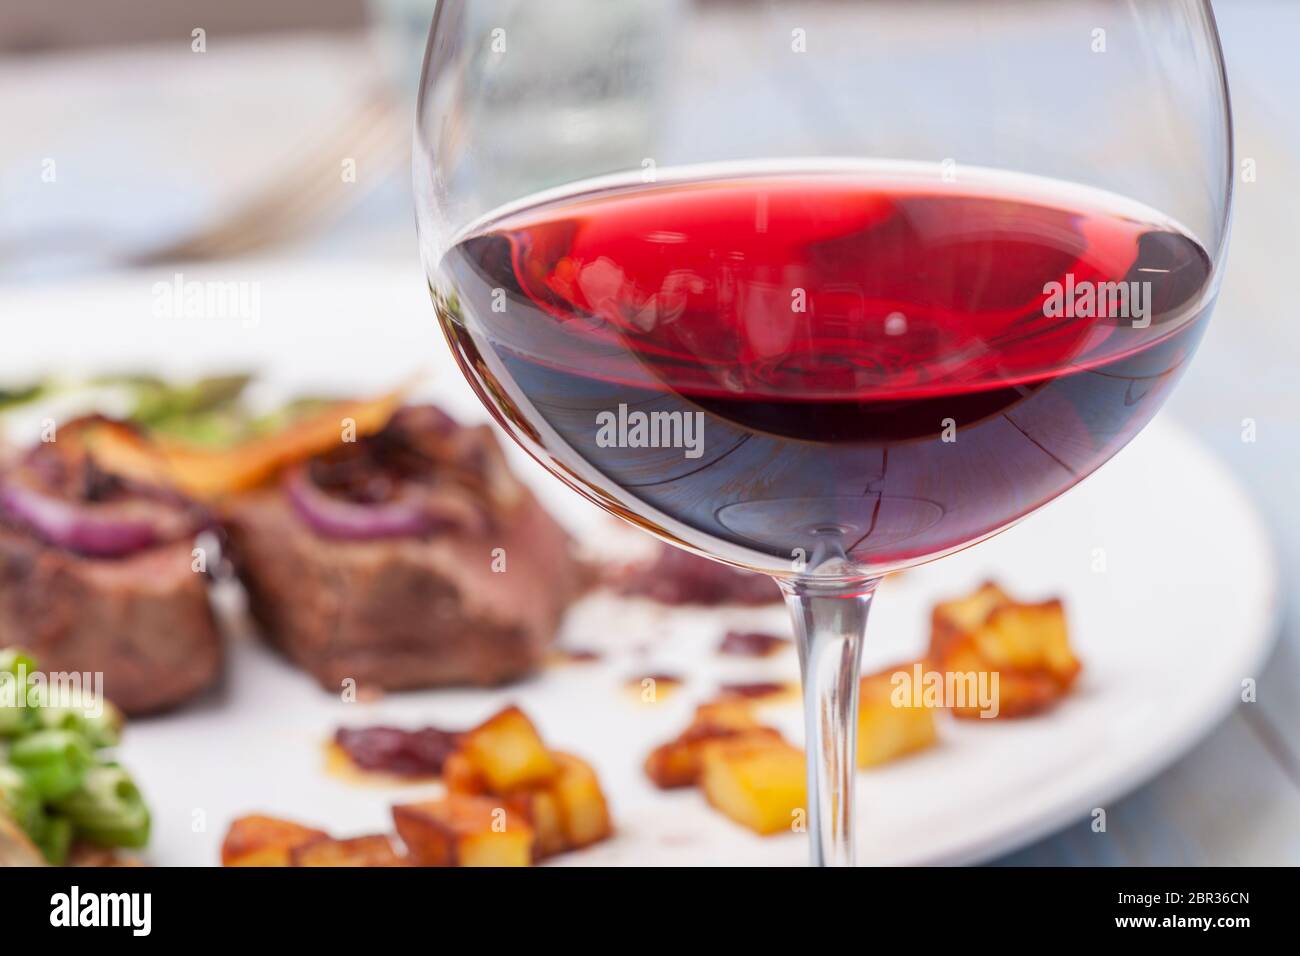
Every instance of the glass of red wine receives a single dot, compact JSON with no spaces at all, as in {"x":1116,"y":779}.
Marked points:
{"x":823,"y":290}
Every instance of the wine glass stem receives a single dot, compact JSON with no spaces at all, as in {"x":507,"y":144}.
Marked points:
{"x":829,"y":625}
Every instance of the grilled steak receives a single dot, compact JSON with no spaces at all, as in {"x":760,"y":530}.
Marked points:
{"x":409,"y":559}
{"x":96,"y":575}
{"x":143,"y":620}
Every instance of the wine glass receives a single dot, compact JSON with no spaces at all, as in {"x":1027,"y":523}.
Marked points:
{"x":823,"y":289}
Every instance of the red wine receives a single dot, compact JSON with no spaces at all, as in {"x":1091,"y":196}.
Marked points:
{"x":870,"y":363}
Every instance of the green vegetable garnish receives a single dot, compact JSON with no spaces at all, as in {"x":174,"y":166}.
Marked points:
{"x":13,"y":397}
{"x":15,"y":668}
{"x":107,"y":809}
{"x":55,"y":840}
{"x":54,"y":761}
{"x":103,"y":729}
{"x":20,"y":802}
{"x":207,"y":411}
{"x":53,"y":782}
{"x":80,"y":711}
{"x":286,"y":415}
{"x":13,"y":658}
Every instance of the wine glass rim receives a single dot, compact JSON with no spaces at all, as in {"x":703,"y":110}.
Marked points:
{"x":913,"y":172}
{"x":1225,"y":201}
{"x":1230,"y":164}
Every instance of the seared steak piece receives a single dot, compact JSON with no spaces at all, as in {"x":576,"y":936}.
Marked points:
{"x":143,"y":620}
{"x":96,"y":575}
{"x":411,"y":558}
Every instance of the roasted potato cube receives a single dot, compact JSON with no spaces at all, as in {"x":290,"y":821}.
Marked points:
{"x":729,"y":714}
{"x":759,"y":783}
{"x":541,"y":808}
{"x":374,"y":850}
{"x":1019,"y":693}
{"x":680,"y":762}
{"x":1027,"y":647}
{"x":1029,"y":637}
{"x":951,"y":620}
{"x":884,"y":730}
{"x":764,"y":691}
{"x":508,"y":752}
{"x":461,"y":776}
{"x":464,"y":830}
{"x":583,"y":811}
{"x":265,"y":841}
{"x":556,"y":795}
{"x":674,"y":764}
{"x":677,"y":763}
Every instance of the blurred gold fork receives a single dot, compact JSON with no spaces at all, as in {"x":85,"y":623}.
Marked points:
{"x":376,"y":137}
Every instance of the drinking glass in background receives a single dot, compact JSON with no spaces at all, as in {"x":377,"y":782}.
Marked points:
{"x":832,"y":254}
{"x":587,"y":106}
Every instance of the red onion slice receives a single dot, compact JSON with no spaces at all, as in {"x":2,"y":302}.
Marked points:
{"x":406,"y":753}
{"x":407,"y":515}
{"x":76,"y":527}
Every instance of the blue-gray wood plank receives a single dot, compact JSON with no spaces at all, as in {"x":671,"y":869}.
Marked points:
{"x":1235,"y":798}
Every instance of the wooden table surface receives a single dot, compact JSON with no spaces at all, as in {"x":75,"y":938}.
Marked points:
{"x":1235,"y":798}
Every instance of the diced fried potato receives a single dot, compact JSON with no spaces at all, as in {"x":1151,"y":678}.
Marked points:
{"x":759,"y":783}
{"x":680,"y":762}
{"x":1029,"y":637}
{"x":583,"y":811}
{"x":885,"y":731}
{"x":951,"y":620}
{"x":566,"y":813}
{"x":674,"y":764}
{"x":1026,"y":645}
{"x":461,"y":776}
{"x":760,"y":692}
{"x":508,"y":752}
{"x":557,"y":795}
{"x":264,"y":841}
{"x":731,"y":714}
{"x":464,"y":830}
{"x":1019,"y":693}
{"x":370,"y":851}
{"x":541,"y":808}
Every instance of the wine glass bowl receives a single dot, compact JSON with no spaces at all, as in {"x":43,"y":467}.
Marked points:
{"x":823,"y":290}
{"x":833,"y":367}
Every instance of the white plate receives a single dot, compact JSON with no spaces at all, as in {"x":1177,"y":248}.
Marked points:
{"x":1181,"y":611}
